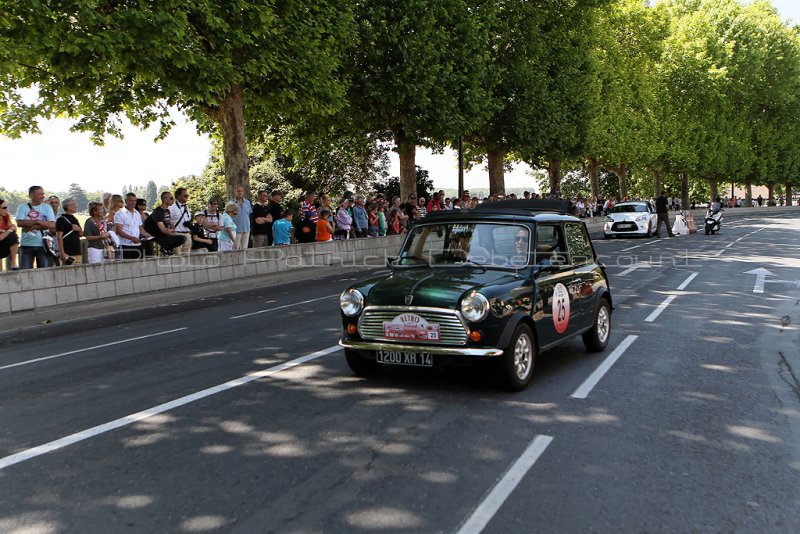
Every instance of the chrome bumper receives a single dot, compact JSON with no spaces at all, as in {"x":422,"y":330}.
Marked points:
{"x":449,"y":351}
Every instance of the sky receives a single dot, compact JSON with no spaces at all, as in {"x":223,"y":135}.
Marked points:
{"x":57,"y":157}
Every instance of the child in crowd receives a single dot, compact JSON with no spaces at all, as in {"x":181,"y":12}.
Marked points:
{"x":372,"y":219}
{"x":200,"y":240}
{"x":324,"y":226}
{"x":282,"y":229}
{"x":306,"y":231}
{"x":381,"y":211}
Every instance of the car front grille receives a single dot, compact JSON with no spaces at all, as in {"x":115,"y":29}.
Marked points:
{"x":452,"y":330}
{"x":624,"y":227}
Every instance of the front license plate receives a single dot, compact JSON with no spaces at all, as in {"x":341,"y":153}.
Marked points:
{"x":416,"y":359}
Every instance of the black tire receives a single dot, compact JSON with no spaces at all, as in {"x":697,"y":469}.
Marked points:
{"x":596,"y":339}
{"x":649,"y":233}
{"x":707,"y":230}
{"x":361,"y":365}
{"x":518,"y":360}
{"x":606,"y":236}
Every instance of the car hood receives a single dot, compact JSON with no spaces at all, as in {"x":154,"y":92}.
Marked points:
{"x":438,"y":287}
{"x":629,"y":216}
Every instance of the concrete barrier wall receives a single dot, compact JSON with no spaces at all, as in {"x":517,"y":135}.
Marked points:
{"x":41,"y":288}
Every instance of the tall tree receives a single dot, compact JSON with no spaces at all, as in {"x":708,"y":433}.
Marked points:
{"x":79,"y":194}
{"x":420,"y":73}
{"x":539,"y":67}
{"x":224,"y":64}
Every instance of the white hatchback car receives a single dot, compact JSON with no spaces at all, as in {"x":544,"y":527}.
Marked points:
{"x":631,"y":218}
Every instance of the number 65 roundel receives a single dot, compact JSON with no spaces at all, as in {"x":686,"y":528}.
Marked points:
{"x":560,"y":308}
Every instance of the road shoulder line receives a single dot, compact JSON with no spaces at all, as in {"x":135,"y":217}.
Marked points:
{"x":55,"y":445}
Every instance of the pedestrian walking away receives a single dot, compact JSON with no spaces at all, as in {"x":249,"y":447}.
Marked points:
{"x":662,"y":211}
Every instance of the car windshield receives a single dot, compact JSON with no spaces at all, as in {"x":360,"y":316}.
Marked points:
{"x":629,"y":208}
{"x":466,"y":244}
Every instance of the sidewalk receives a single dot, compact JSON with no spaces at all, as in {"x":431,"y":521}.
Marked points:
{"x":79,"y":316}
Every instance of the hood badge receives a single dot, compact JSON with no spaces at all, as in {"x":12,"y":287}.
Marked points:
{"x":409,"y":299}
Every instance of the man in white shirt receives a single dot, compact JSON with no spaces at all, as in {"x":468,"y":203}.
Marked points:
{"x":179,"y":215}
{"x":128,"y":225}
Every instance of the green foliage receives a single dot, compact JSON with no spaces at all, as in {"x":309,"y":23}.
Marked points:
{"x":79,"y":194}
{"x":390,"y":187}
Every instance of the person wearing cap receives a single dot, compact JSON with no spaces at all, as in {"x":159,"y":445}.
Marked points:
{"x":410,"y":207}
{"x":212,"y":222}
{"x":200,"y":240}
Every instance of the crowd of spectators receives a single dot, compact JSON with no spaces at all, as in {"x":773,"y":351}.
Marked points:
{"x":122,"y":228}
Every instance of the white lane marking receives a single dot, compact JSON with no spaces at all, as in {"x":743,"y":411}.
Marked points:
{"x":284,"y":306}
{"x":632,"y":268}
{"x":495,"y":499}
{"x":28,"y":362}
{"x":661,"y":307}
{"x":161,"y":408}
{"x":588,"y":385}
{"x":687,"y":281}
{"x":655,"y":240}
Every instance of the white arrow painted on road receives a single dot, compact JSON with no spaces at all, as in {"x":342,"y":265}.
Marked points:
{"x":761,"y":275}
{"x":634,"y":267}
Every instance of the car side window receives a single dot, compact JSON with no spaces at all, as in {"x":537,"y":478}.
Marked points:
{"x":549,"y":248}
{"x":580,"y":248}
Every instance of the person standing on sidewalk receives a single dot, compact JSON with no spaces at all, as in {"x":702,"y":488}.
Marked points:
{"x":34,"y":218}
{"x":662,"y":207}
{"x":241,"y":219}
{"x":180,"y":216}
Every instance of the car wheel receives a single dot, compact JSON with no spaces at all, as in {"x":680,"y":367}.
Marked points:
{"x":519,"y":359}
{"x":649,"y":231}
{"x":361,"y":365}
{"x":606,"y":236}
{"x":596,"y":339}
{"x":707,"y":230}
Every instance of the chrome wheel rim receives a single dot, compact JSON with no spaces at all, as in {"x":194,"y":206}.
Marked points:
{"x":523,"y":357}
{"x":603,"y":324}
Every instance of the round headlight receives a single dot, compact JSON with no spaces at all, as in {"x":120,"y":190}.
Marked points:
{"x":474,"y":307}
{"x":609,"y":218}
{"x":351,"y":302}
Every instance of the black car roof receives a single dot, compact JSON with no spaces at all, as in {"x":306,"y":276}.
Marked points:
{"x":538,"y":210}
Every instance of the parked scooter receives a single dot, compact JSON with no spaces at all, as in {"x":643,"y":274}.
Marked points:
{"x":713,"y":221}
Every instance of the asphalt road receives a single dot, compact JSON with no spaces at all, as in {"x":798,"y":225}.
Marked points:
{"x":694,"y":428}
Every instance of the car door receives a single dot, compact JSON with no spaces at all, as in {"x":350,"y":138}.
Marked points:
{"x":584,"y":273}
{"x":553,"y":303}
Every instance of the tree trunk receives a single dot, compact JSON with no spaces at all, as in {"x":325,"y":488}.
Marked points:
{"x":594,"y":183}
{"x":230,"y":117}
{"x":497,"y":181}
{"x":622,"y":174}
{"x":684,"y":191}
{"x":788,"y":190}
{"x":407,"y":150}
{"x":748,"y":194}
{"x":770,"y":192}
{"x":554,"y":174}
{"x":656,"y":183}
{"x":714,"y":188}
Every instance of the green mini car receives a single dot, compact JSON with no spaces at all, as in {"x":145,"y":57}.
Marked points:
{"x":501,"y":282}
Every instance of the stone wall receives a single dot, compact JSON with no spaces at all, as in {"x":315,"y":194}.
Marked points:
{"x":40,"y":288}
